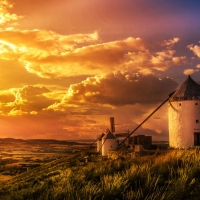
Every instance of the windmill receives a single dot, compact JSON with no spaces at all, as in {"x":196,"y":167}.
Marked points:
{"x":183,"y":115}
{"x":109,"y":141}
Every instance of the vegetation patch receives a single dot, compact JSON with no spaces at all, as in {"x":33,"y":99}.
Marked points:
{"x":173,"y":174}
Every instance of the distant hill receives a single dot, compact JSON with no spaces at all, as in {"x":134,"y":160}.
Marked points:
{"x":11,"y":140}
{"x":50,"y":141}
{"x":40,"y":141}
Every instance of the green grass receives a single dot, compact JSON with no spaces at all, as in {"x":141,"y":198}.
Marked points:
{"x":170,"y":175}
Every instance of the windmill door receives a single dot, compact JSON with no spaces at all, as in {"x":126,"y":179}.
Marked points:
{"x":196,"y":139}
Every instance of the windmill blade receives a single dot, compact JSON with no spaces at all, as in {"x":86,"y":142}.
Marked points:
{"x":99,"y":138}
{"x":143,"y":122}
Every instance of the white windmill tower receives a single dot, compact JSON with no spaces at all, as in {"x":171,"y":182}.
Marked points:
{"x":184,"y":115}
{"x":107,"y":142}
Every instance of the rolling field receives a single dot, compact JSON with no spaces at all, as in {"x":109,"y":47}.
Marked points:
{"x":166,"y":175}
{"x":19,"y":156}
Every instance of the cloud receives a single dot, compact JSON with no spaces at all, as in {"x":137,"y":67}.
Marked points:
{"x":44,"y":41}
{"x":15,"y":112}
{"x":6,"y":96}
{"x":170,"y":43}
{"x":54,"y":126}
{"x":179,"y":60}
{"x":190,"y":71}
{"x":195,"y":49}
{"x":162,"y":60}
{"x":51,"y":55}
{"x":26,"y":100}
{"x":80,"y":125}
{"x":117,"y":89}
{"x":128,"y":54}
{"x":198,"y":66}
{"x":6,"y":17}
{"x":39,"y":44}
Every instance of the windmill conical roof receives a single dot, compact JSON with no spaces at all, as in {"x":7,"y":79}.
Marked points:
{"x":189,"y":90}
{"x":109,"y":135}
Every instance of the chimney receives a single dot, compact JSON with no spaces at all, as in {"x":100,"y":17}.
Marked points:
{"x":112,"y":124}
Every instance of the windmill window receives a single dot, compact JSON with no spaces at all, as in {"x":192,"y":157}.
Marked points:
{"x":179,"y":104}
{"x":111,"y":146}
{"x":196,"y":103}
{"x":197,"y":121}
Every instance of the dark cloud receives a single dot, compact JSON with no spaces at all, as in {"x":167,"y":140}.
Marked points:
{"x":26,"y":100}
{"x":7,"y":97}
{"x":121,"y":89}
{"x":32,"y":98}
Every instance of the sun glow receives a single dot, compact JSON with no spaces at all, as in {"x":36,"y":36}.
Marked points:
{"x":73,"y":64}
{"x":7,"y":44}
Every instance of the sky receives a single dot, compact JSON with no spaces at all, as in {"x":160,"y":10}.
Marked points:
{"x":66,"y":66}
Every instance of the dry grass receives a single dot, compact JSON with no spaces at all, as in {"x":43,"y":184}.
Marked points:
{"x":169,"y":175}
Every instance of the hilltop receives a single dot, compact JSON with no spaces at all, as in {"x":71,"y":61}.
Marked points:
{"x":172,"y":174}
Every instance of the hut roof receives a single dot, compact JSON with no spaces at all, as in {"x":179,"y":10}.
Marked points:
{"x":189,"y":90}
{"x":109,"y":135}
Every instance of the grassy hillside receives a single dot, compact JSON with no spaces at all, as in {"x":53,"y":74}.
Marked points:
{"x":167,"y":175}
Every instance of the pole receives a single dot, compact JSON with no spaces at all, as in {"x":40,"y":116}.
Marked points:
{"x":143,"y":121}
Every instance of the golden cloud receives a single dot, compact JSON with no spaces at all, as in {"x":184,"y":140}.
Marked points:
{"x":91,"y":59}
{"x":15,"y":112}
{"x":49,"y":54}
{"x":170,"y":43}
{"x":179,"y":60}
{"x":6,"y":96}
{"x":39,"y":44}
{"x":131,"y":53}
{"x":162,"y":60}
{"x":5,"y":16}
{"x":26,"y":100}
{"x":195,"y":49}
{"x":117,"y":89}
{"x":190,"y":71}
